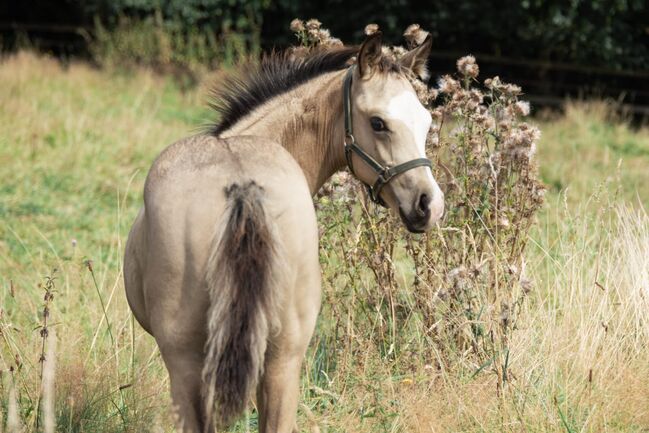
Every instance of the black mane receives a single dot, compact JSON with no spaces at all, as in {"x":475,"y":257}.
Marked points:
{"x":278,"y":72}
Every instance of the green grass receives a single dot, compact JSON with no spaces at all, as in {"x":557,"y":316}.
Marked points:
{"x":75,"y":146}
{"x":588,"y":148}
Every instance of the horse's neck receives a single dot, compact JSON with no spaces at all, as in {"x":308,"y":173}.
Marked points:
{"x":308,"y":122}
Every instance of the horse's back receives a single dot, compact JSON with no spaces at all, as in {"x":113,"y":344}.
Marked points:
{"x":189,"y":179}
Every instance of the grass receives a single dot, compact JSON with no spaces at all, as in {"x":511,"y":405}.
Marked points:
{"x":75,"y":146}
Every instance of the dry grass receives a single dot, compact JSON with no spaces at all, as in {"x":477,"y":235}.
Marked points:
{"x":579,"y":359}
{"x":70,"y":150}
{"x":74,"y":149}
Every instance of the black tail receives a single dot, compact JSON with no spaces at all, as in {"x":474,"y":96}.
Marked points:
{"x":240,"y":278}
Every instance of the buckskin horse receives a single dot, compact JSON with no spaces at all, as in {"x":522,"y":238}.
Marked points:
{"x":221,"y":263}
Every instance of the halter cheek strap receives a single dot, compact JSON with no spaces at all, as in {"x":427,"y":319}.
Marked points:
{"x":385,"y":174}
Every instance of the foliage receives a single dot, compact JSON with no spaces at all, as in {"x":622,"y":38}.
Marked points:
{"x":216,"y":16}
{"x":163,"y":44}
{"x":606,"y":33}
{"x":192,"y":32}
{"x":184,"y":54}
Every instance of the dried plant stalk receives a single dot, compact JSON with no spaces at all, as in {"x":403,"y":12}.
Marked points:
{"x":14,"y":424}
{"x":47,"y":385}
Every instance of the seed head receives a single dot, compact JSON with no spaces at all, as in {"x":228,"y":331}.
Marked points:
{"x":323,"y":36}
{"x":512,"y":90}
{"x":334,"y":42}
{"x":415,"y":35}
{"x":313,"y":24}
{"x":297,"y":26}
{"x":370,"y":29}
{"x":526,"y":285}
{"x":468,"y":67}
{"x":522,"y":108}
{"x":448,"y":85}
{"x":437,"y":114}
{"x":493,"y":83}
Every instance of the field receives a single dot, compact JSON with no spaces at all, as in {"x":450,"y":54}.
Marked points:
{"x":75,"y":146}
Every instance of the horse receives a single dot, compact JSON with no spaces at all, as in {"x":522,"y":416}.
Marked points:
{"x":221,"y":263}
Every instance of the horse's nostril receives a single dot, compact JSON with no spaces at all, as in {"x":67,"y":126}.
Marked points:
{"x":423,"y":206}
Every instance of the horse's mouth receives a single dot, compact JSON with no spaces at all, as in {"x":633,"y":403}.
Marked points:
{"x":413,"y":225}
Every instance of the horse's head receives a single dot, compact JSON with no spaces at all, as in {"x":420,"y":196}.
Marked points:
{"x":386,"y":132}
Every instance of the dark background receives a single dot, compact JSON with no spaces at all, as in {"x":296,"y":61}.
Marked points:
{"x":553,"y":48}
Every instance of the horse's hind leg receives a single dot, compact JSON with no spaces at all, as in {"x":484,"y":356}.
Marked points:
{"x":278,"y":394}
{"x":279,"y":388}
{"x":133,"y":277}
{"x":185,"y":368}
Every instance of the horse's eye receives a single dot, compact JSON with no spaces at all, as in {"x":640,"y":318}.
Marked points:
{"x":377,"y":124}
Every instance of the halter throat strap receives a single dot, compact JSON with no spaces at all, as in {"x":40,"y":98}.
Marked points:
{"x":384,"y":173}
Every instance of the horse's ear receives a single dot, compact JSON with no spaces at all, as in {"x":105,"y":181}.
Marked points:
{"x":369,"y":54}
{"x":416,"y":59}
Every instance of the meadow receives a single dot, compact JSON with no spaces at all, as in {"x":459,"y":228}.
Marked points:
{"x":75,"y":145}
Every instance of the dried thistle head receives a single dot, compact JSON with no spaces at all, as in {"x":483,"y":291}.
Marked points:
{"x":311,"y":35}
{"x":313,"y":24}
{"x":522,"y":108}
{"x":297,"y":25}
{"x":370,"y":29}
{"x":448,"y":85}
{"x":467,"y":67}
{"x":425,"y":94}
{"x":415,"y":35}
{"x":334,"y":42}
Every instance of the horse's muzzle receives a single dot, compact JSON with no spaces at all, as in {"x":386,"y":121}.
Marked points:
{"x":423,"y":214}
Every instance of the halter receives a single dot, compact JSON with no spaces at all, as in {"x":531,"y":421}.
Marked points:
{"x":385,"y":173}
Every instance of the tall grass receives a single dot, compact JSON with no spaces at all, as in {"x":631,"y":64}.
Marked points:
{"x":187,"y":54}
{"x":74,"y":149}
{"x":69,"y":151}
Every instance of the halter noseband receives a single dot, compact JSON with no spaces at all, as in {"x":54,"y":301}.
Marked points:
{"x":385,"y":174}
